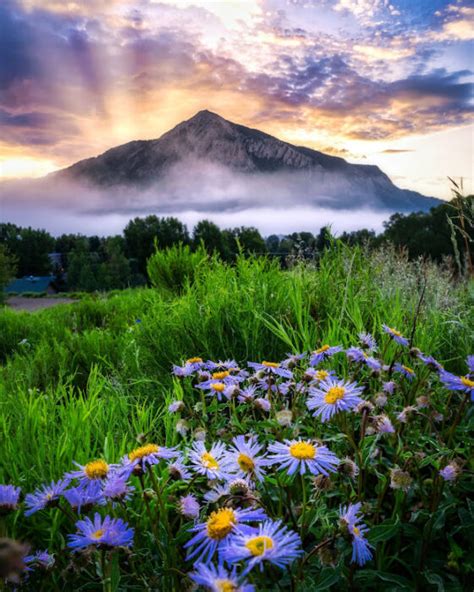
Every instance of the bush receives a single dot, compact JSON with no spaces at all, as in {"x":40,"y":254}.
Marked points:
{"x":174,"y":268}
{"x":7,"y":270}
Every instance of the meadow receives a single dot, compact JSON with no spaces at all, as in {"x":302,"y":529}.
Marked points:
{"x":340,"y":461}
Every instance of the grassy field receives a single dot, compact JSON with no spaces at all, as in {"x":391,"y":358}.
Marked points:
{"x":93,"y":381}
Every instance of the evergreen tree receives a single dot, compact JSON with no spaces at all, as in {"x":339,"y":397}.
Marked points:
{"x":7,"y":269}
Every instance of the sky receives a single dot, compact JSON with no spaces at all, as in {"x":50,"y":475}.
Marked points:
{"x":374,"y":81}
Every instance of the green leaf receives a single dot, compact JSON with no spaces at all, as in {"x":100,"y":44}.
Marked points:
{"x":327,"y":578}
{"x":384,"y":532}
{"x":434,"y":579}
{"x":368,"y":576}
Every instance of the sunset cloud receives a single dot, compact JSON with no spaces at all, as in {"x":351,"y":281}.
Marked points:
{"x":78,"y":77}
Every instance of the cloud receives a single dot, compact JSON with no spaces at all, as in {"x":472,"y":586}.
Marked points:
{"x":195,"y":189}
{"x":275,"y":210}
{"x":396,"y":150}
{"x":79,"y":77}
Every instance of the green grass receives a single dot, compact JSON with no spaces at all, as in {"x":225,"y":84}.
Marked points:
{"x":84,"y":381}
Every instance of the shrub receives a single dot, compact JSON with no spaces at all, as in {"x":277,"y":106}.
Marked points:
{"x":174,"y":268}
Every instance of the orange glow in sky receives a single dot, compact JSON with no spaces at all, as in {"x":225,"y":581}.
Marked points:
{"x":374,"y":82}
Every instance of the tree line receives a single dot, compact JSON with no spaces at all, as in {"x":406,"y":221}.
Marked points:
{"x":89,"y":263}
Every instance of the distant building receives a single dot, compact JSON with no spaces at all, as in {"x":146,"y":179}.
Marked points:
{"x":31,"y":283}
{"x":56,"y":259}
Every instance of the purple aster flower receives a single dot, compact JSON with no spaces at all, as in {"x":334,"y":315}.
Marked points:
{"x":138,"y":460}
{"x":189,"y":506}
{"x":213,"y":463}
{"x":272,"y":543}
{"x":213,"y":534}
{"x":104,"y":533}
{"x":405,"y":370}
{"x":450,"y":472}
{"x":218,"y":388}
{"x":271,"y":368}
{"x":406,"y":413}
{"x":84,"y":497}
{"x":219,"y":579}
{"x":262,"y":404}
{"x":247,"y":394}
{"x":389,"y":387}
{"x":356,"y":354}
{"x":323,"y":353}
{"x":220,"y":365}
{"x":302,"y":456}
{"x":313,"y":375}
{"x":395,"y":335}
{"x":245,"y":460}
{"x":116,"y":488}
{"x":190,"y":367}
{"x":95,"y":470}
{"x":46,"y":496}
{"x":9,"y":496}
{"x":430,"y":362}
{"x":285,"y":387}
{"x":361,"y":552}
{"x":178,"y":470}
{"x":40,"y":559}
{"x":383,"y":425}
{"x":333,"y":396}
{"x":218,"y":491}
{"x":292,"y":360}
{"x":470,"y":363}
{"x":457,"y":383}
{"x":175,"y":406}
{"x":368,"y":341}
{"x":231,"y":487}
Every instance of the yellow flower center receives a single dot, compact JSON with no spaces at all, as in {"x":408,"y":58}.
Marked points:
{"x":395,"y":332}
{"x":96,"y":469}
{"x":334,"y":394}
{"x":355,"y":530}
{"x":194,"y":361}
{"x":143,"y":451}
{"x":321,"y":374}
{"x":270,"y":364}
{"x":225,"y":586}
{"x":98,"y":534}
{"x":467,"y":382}
{"x":322,"y":349}
{"x":259,"y":544}
{"x":218,"y":386}
{"x":209,"y":461}
{"x":245,"y":463}
{"x":303,"y":450}
{"x":408,"y":369}
{"x":221,"y":375}
{"x":221,"y":523}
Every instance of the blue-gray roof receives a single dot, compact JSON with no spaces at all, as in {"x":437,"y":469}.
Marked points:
{"x":30,"y":284}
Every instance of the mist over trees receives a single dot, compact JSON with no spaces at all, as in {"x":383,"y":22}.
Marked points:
{"x":90,"y":263}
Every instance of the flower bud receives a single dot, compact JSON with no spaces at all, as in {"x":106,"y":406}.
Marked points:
{"x":400,"y":480}
{"x":200,"y":434}
{"x":284,"y":417}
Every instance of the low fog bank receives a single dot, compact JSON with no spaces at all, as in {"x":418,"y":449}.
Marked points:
{"x":278,"y":203}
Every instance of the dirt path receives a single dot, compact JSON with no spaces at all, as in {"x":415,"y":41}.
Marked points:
{"x":32,"y":304}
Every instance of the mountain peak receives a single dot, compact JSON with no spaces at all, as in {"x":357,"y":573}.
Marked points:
{"x":209,"y":138}
{"x":205,"y":114}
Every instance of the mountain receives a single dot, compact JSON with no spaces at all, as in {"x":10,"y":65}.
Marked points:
{"x":208,"y":138}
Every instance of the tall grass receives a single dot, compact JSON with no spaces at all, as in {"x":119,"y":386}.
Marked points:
{"x":109,"y":357}
{"x":86,"y":380}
